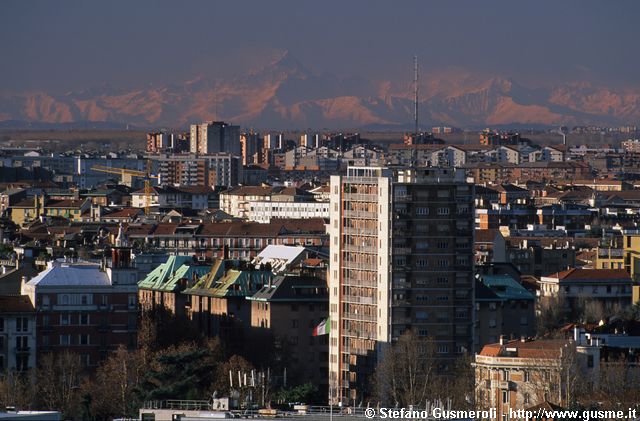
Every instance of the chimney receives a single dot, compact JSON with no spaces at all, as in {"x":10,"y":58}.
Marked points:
{"x":523,"y":339}
{"x":501,"y":339}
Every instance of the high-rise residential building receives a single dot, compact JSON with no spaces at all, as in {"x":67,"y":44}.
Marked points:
{"x":273,"y":141}
{"x":215,"y":136}
{"x":159,"y":142}
{"x":401,"y":258}
{"x":251,"y":144}
{"x":216,"y":169}
{"x":310,"y":140}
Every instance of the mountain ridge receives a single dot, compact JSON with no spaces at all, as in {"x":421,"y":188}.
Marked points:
{"x":285,"y":94}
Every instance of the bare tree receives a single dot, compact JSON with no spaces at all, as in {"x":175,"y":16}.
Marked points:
{"x":58,"y":379}
{"x":406,"y":374}
{"x":16,"y":390}
{"x":113,"y":388}
{"x":618,"y":385}
{"x":551,"y":315}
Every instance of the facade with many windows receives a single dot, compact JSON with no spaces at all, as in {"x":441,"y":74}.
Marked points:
{"x":17,"y":333}
{"x":401,"y":257}
{"x":86,"y":308}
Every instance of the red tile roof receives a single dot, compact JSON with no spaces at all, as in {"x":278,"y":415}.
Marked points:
{"x":124,"y":213}
{"x":539,"y":348}
{"x":576,"y":274}
{"x":16,"y":304}
{"x":486,"y":235}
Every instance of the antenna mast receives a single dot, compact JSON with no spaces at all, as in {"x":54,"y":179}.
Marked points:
{"x":415,"y":93}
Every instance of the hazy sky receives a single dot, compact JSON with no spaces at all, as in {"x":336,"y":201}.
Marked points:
{"x":62,"y":45}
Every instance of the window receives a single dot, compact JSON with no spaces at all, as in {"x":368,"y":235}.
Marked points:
{"x":64,"y":299}
{"x":526,"y":398}
{"x":443,"y":349}
{"x":22,"y":324}
{"x":1,"y":324}
{"x":442,"y":263}
{"x":504,"y":375}
{"x":443,"y":211}
{"x":65,"y":340}
{"x":492,"y":322}
{"x":85,"y":359}
{"x":22,"y":342}
{"x":526,"y":377}
{"x":294,"y":323}
{"x":83,"y":339}
{"x":422,"y":210}
{"x":22,"y":362}
{"x":64,"y":319}
{"x":505,"y":396}
{"x":590,"y":361}
{"x":132,"y":301}
{"x":84,"y":319}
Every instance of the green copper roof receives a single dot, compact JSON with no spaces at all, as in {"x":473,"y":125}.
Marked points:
{"x":226,"y":280}
{"x":167,"y":276}
{"x":505,"y":287}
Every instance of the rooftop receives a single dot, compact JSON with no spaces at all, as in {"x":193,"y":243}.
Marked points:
{"x":505,"y":287}
{"x":71,"y":274}
{"x":539,"y":348}
{"x":15,"y":304}
{"x":576,"y":274}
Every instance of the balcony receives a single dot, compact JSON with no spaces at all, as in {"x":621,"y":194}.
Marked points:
{"x":401,"y":320}
{"x":359,"y":317}
{"x":401,"y":250}
{"x":403,"y":198}
{"x":22,"y":349}
{"x":76,"y":307}
{"x":401,"y":303}
{"x":359,"y":299}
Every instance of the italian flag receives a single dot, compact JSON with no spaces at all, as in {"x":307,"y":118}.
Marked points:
{"x":323,"y":328}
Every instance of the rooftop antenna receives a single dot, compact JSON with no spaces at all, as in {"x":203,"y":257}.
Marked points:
{"x":415,"y":93}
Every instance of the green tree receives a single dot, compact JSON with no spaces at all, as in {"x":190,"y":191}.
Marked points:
{"x":184,"y":371}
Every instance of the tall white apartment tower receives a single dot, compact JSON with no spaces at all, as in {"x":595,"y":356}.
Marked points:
{"x":401,"y":257}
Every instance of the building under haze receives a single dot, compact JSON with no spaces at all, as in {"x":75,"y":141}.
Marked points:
{"x":400,"y":258}
{"x":215,"y":136}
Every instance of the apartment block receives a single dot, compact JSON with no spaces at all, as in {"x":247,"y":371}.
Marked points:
{"x":86,"y":308}
{"x":17,"y":333}
{"x":401,"y":257}
{"x":215,"y":136}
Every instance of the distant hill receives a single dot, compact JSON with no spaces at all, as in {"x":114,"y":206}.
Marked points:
{"x":285,"y":94}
